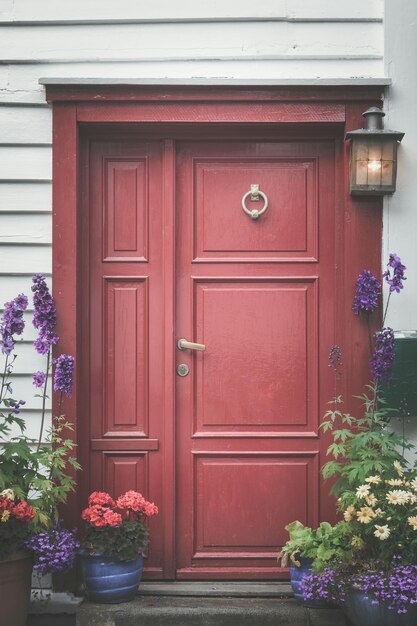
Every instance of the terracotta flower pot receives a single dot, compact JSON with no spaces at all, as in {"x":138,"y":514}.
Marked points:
{"x":15,"y":585}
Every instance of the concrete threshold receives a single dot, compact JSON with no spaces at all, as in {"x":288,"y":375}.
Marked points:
{"x":217,"y":589}
{"x":208,"y":604}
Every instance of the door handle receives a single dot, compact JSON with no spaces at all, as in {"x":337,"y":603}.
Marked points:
{"x":183,"y":344}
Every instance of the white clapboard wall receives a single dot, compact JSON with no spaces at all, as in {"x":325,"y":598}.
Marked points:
{"x":161,"y":39}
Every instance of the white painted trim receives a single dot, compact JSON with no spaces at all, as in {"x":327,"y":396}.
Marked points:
{"x":303,"y":82}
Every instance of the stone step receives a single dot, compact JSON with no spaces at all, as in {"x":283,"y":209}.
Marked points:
{"x":148,"y":610}
{"x":275,"y":589}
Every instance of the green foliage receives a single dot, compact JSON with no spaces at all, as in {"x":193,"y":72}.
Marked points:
{"x":124,"y":541}
{"x":361,"y":446}
{"x":324,"y":544}
{"x":40,"y":475}
{"x":12,"y":536}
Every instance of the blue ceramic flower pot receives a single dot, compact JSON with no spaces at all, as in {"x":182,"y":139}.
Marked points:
{"x":108,"y":580}
{"x":361,"y":612}
{"x":297,"y":574}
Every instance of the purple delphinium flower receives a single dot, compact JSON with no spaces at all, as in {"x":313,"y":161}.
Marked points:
{"x":383,"y":356}
{"x":394,"y":275}
{"x":368,"y":289}
{"x":44,"y":318}
{"x":39,"y":379}
{"x":12,"y":322}
{"x":335,"y":360}
{"x":64,"y":369}
{"x":54,"y":550}
{"x":15,"y":405}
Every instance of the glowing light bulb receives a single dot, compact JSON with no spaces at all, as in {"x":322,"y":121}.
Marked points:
{"x":374,"y":166}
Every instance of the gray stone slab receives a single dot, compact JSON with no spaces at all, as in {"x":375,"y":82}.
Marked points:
{"x":217,"y":589}
{"x":203,"y":611}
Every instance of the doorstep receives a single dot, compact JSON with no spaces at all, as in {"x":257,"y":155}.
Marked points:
{"x":208,"y":604}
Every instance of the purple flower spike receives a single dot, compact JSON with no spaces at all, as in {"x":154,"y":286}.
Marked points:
{"x":44,"y":318}
{"x":64,"y":369}
{"x":383,"y":356}
{"x":12,"y":322}
{"x":335,"y":360}
{"x":368,"y":289}
{"x":39,"y":379}
{"x":395,"y":273}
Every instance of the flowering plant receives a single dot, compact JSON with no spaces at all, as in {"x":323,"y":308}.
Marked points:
{"x":16,"y":517}
{"x":35,"y":470}
{"x":117,"y":528}
{"x":53,"y":550}
{"x":366,"y":444}
{"x":381,"y":514}
{"x":393,"y":585}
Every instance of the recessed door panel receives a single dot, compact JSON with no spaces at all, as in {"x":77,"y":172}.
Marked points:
{"x":258,"y":294}
{"x":287,"y":228}
{"x":266,"y":326}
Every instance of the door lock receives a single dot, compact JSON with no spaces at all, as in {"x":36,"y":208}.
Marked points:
{"x":183,"y":369}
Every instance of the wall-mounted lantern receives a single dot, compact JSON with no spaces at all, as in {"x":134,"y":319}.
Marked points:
{"x":373,"y":156}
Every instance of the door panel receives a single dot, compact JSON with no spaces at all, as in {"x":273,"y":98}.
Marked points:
{"x":287,"y":229}
{"x":258,"y":294}
{"x":125,"y":324}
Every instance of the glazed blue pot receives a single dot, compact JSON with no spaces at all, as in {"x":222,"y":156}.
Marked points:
{"x":108,"y":580}
{"x":297,"y":574}
{"x":361,"y":612}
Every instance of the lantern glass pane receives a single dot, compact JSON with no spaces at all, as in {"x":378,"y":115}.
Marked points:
{"x":387,"y":173}
{"x":373,"y":165}
{"x":388,"y":151}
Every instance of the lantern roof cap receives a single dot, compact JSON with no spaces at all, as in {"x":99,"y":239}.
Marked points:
{"x":374,"y":127}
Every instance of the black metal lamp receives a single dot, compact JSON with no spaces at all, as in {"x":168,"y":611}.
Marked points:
{"x":373,"y":156}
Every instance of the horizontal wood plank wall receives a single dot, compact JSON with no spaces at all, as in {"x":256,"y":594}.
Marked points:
{"x":268,"y":39}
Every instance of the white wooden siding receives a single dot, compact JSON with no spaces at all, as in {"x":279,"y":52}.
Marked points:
{"x":231,"y":39}
{"x":51,"y":11}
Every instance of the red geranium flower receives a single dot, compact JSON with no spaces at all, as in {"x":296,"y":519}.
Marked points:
{"x":100,"y":516}
{"x":150,"y":509}
{"x":131,"y":500}
{"x":23,"y":511}
{"x":102,"y":498}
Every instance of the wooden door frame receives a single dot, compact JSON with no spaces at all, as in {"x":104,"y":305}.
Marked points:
{"x":118,"y":107}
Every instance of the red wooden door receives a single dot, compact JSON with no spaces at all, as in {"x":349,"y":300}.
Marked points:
{"x":258,"y":293}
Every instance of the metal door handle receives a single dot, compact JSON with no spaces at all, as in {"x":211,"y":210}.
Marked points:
{"x":183,"y":344}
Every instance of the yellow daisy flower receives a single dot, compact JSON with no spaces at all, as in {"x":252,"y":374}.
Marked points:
{"x":394,"y":482}
{"x":375,"y":479}
{"x":349,"y":513}
{"x":365,"y":515}
{"x":382,"y":532}
{"x":398,"y":468}
{"x":357,"y":542}
{"x":8,"y":493}
{"x":396,"y":496}
{"x":5,"y":516}
{"x":362,"y":491}
{"x":371,"y":499}
{"x":413,"y":522}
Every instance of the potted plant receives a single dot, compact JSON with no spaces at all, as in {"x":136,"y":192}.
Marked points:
{"x":35,"y":474}
{"x":377,"y":584}
{"x":16,"y":519}
{"x":112,"y":550}
{"x":311,"y":550}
